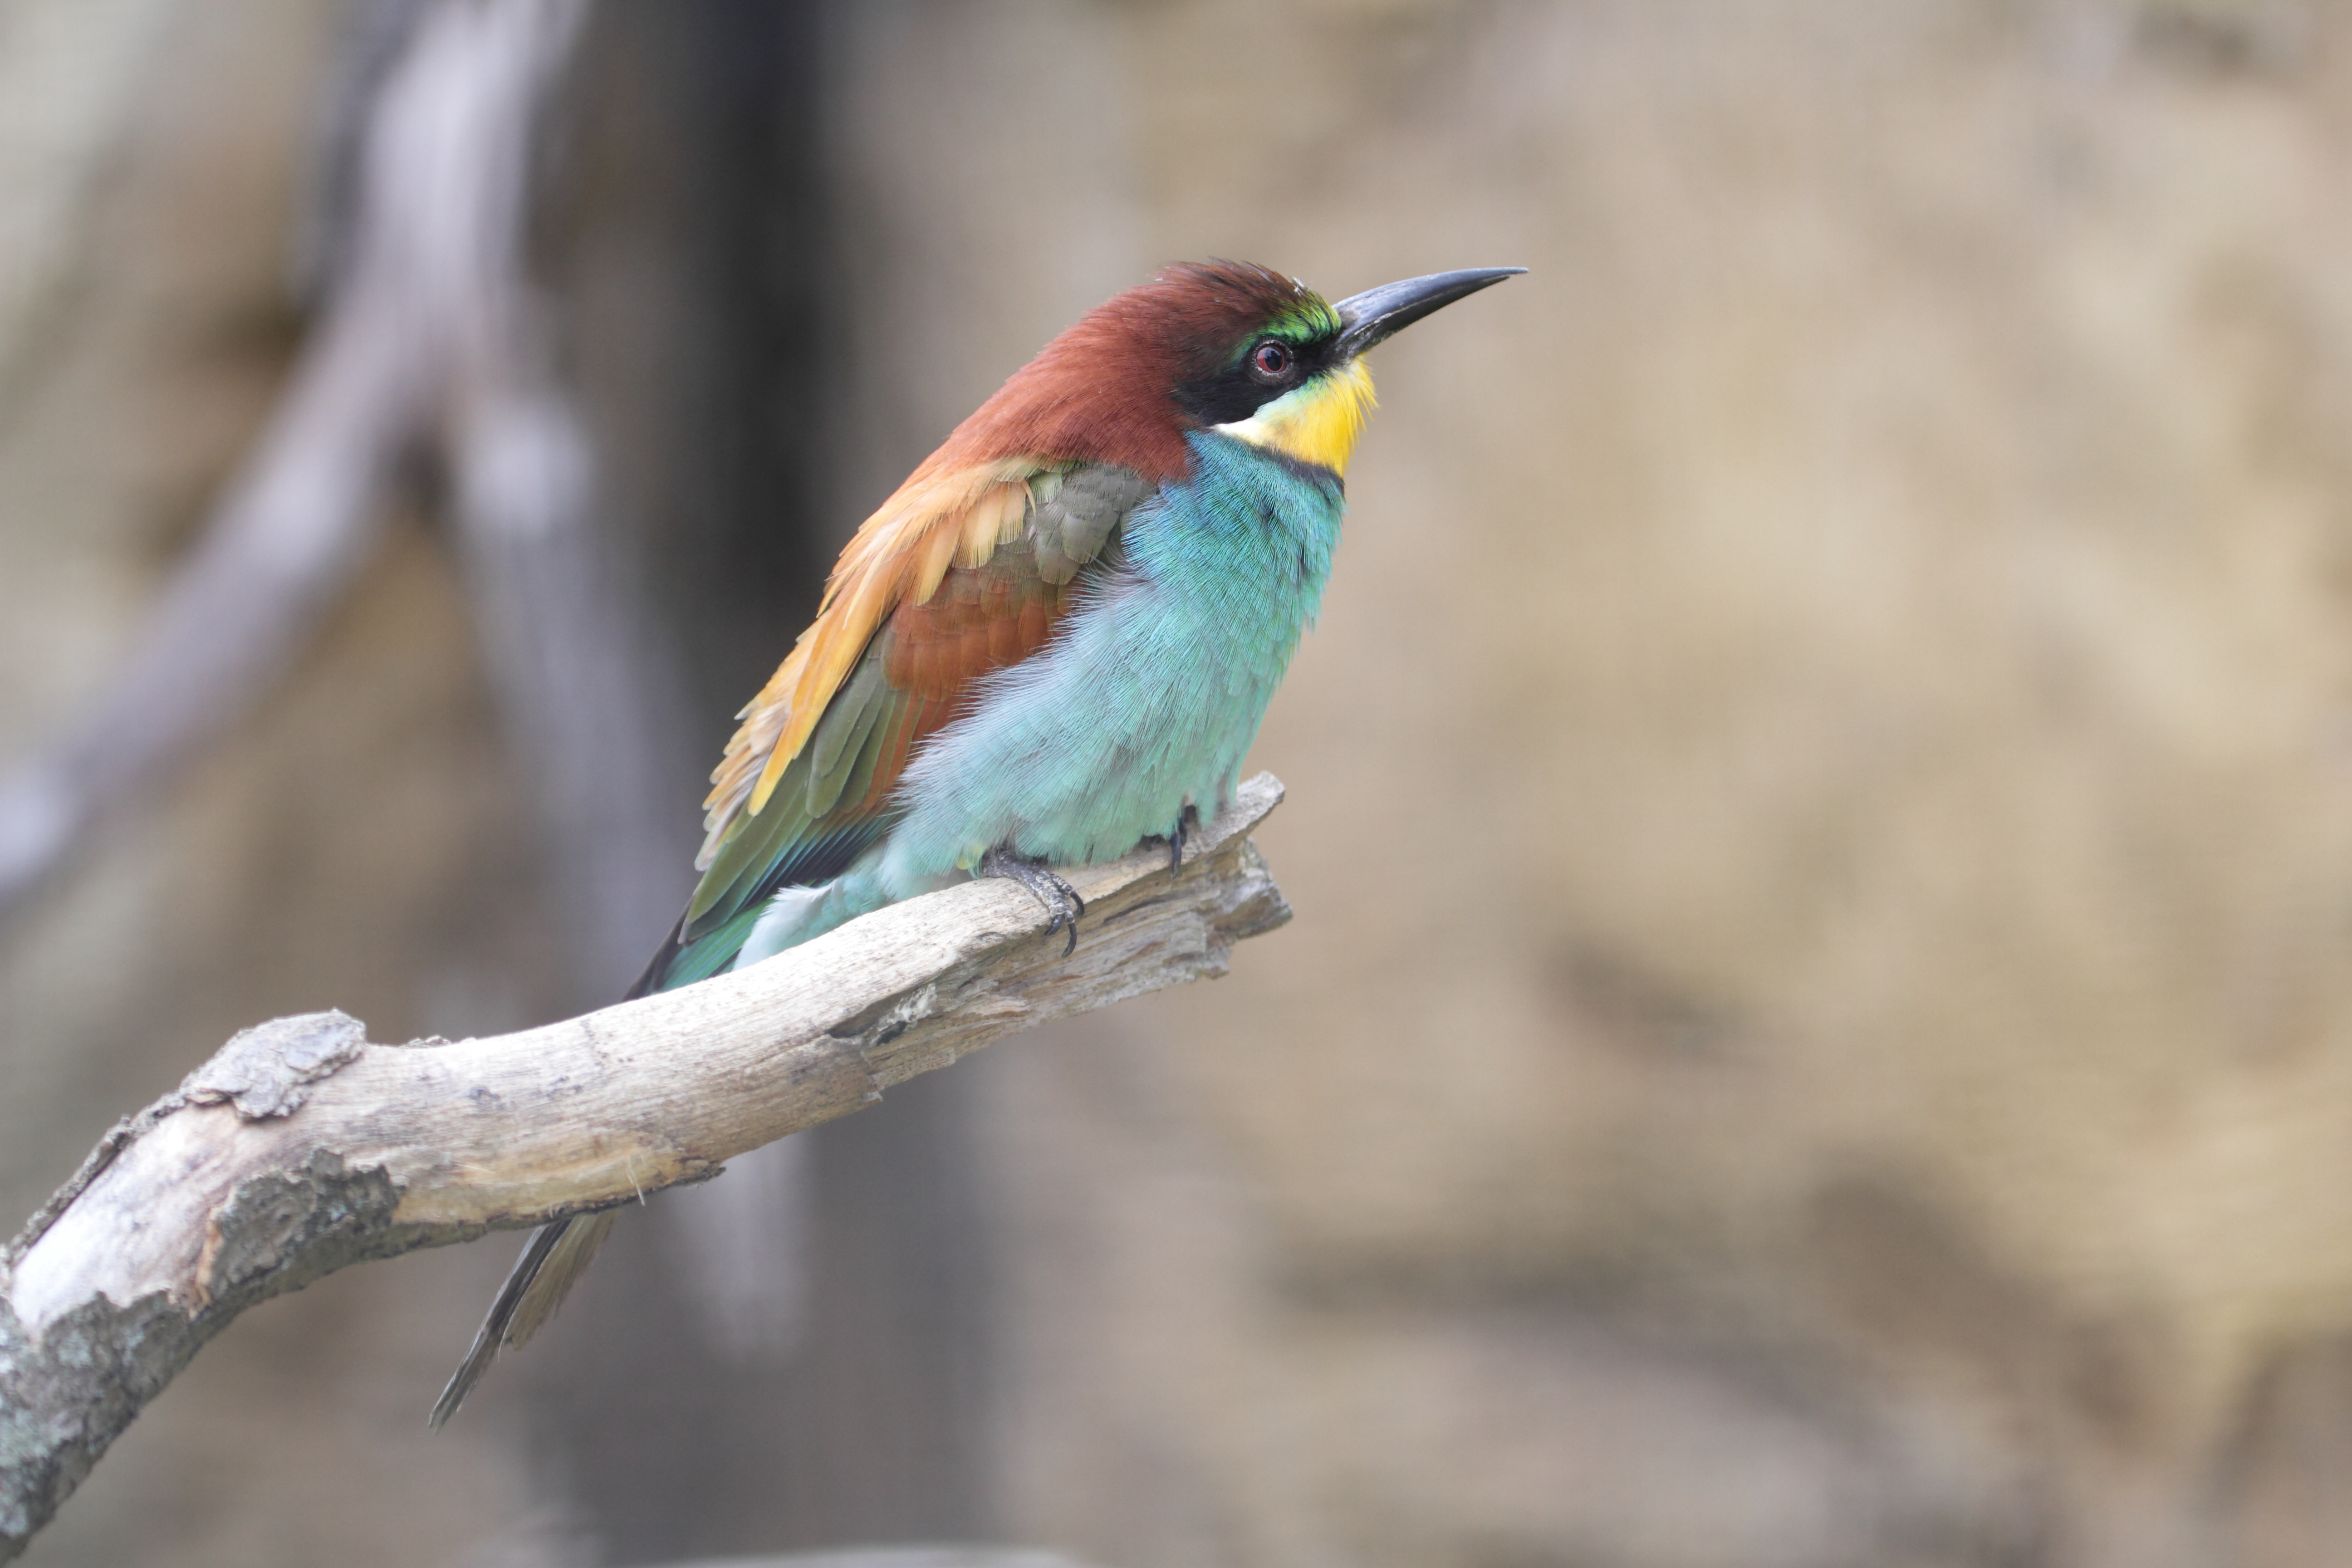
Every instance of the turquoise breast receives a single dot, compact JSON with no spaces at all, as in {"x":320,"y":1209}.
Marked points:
{"x":1147,"y":700}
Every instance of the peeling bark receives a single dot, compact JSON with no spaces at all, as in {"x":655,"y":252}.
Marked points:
{"x":301,"y":1148}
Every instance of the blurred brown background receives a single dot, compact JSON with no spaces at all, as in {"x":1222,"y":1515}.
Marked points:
{"x":1818,"y":1030}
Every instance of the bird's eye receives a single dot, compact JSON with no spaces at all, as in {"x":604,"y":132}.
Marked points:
{"x":1271,"y":360}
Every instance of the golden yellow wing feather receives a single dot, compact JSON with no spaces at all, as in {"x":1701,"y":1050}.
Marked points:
{"x":901,"y":553}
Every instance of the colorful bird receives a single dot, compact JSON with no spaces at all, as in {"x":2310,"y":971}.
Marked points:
{"x":1053,"y":642}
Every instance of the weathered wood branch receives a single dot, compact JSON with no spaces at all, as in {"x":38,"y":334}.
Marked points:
{"x":301,"y":1148}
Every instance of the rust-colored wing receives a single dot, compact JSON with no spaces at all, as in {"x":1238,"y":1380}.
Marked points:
{"x":962,"y":574}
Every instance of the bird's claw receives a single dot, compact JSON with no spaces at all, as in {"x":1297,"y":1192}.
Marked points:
{"x":1061,"y":900}
{"x":1186,"y":820}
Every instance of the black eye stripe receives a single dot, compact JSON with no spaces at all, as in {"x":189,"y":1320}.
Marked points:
{"x":1245,"y":386}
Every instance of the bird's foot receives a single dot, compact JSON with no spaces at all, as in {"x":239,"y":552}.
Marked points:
{"x":1187,"y":820}
{"x":1061,"y":900}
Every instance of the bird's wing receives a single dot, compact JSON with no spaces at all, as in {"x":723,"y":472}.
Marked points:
{"x":960,"y":575}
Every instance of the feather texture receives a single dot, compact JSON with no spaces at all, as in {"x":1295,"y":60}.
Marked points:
{"x":1095,"y":395}
{"x":829,"y":800}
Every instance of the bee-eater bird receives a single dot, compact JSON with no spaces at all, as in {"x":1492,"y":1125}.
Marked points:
{"x":1055,"y":641}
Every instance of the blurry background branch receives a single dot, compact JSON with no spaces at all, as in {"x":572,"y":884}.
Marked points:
{"x":300,"y":1148}
{"x":435,"y":348}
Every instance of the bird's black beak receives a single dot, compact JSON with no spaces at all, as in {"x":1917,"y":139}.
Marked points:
{"x":1376,"y":313}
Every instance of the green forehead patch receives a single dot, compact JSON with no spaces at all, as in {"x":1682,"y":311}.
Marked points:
{"x":1301,"y":321}
{"x":1306,"y":320}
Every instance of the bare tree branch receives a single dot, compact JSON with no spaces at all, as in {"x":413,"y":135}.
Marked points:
{"x":285,"y":540}
{"x":301,"y":1148}
{"x":433,"y":339}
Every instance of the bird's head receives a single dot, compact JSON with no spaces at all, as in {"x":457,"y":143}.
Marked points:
{"x":1218,"y":345}
{"x":1268,"y":361}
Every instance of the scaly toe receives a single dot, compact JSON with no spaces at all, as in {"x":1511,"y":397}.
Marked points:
{"x":1186,"y":820}
{"x":1063,"y":905}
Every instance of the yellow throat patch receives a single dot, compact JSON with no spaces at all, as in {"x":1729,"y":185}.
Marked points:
{"x":1317,"y":423}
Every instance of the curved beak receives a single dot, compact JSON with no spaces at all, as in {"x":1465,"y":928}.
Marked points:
{"x":1376,"y":313}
